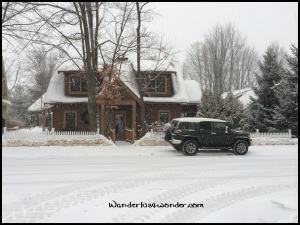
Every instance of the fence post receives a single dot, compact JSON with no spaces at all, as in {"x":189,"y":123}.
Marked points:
{"x":52,"y":132}
{"x":98,"y":131}
{"x":290,"y":133}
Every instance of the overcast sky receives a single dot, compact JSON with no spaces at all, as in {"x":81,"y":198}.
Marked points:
{"x":261,"y":22}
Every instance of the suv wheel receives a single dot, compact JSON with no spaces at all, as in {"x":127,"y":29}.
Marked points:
{"x":240,"y":147}
{"x":190,"y":148}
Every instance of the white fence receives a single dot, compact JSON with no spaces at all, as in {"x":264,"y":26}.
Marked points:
{"x":272,"y":134}
{"x":48,"y":135}
{"x":157,"y":135}
{"x":288,"y":134}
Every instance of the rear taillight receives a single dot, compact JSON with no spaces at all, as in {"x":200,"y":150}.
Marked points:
{"x":179,"y":132}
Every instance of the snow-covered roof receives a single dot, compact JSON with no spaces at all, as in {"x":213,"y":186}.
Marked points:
{"x":198,"y":119}
{"x":37,"y":105}
{"x":184,"y":91}
{"x":193,"y":91}
{"x":243,"y":95}
{"x":152,"y":65}
{"x":56,"y":91}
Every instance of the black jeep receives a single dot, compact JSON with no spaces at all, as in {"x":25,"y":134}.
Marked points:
{"x":189,"y":134}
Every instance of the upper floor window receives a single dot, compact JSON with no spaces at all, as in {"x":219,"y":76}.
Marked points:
{"x":156,"y":84}
{"x":78,"y":83}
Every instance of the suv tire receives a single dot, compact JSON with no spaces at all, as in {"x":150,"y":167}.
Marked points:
{"x":190,"y":148}
{"x":240,"y":147}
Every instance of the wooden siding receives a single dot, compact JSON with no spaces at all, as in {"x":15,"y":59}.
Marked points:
{"x":59,"y":111}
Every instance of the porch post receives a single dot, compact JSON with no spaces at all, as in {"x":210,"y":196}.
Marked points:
{"x":102,"y":119}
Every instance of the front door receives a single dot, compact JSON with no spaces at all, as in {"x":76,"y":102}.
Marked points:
{"x":119,"y":125}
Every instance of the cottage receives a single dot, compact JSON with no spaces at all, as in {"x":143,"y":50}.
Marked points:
{"x":166,"y":96}
{"x":243,"y":95}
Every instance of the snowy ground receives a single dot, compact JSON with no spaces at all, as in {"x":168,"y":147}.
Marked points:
{"x":82,"y":183}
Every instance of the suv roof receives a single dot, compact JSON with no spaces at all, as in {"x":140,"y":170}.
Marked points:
{"x":198,"y":119}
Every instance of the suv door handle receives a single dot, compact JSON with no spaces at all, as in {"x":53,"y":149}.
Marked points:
{"x":213,"y":133}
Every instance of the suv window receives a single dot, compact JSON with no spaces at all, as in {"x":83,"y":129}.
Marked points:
{"x":188,"y":125}
{"x":205,"y":125}
{"x":218,"y":126}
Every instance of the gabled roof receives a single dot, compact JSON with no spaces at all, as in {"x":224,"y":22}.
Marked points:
{"x":243,"y":95}
{"x":184,"y":91}
{"x":38,"y":105}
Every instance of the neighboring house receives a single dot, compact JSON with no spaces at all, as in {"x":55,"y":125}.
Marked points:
{"x":244,"y":97}
{"x":5,"y":102}
{"x":166,"y":96}
{"x":38,"y":113}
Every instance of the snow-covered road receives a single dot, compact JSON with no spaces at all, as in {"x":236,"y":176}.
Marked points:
{"x":148,"y":184}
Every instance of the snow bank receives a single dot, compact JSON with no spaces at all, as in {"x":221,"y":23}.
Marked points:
{"x":151,"y":140}
{"x":274,"y":141}
{"x":63,"y":142}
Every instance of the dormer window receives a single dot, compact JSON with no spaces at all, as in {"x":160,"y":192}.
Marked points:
{"x":78,"y":83}
{"x":156,"y":85}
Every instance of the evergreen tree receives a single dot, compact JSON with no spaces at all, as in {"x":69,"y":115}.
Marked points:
{"x":213,"y":106}
{"x":286,"y":115}
{"x":21,"y":99}
{"x":232,"y":110}
{"x":262,"y":109}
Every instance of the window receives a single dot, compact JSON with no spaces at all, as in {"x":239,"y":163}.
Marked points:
{"x":160,"y":84}
{"x":218,"y":126}
{"x":78,"y":83}
{"x":156,"y":84}
{"x":75,"y":83}
{"x":70,"y":120}
{"x":205,"y":125}
{"x":163,"y":116}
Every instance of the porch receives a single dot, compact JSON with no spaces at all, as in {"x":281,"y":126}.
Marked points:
{"x":122,"y":119}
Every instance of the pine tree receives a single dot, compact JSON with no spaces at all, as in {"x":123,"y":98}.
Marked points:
{"x":213,"y":106}
{"x":262,"y":109}
{"x":232,"y":110}
{"x":286,"y":115}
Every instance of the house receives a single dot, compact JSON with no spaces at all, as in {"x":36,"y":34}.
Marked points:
{"x":38,"y":113}
{"x":166,"y":96}
{"x":5,"y":101}
{"x":243,"y":95}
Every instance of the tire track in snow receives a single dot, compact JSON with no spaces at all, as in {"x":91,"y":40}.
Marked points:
{"x":218,"y":202}
{"x":47,"y":203}
{"x":175,"y":195}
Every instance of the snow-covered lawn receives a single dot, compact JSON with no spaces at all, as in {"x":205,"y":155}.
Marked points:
{"x":148,"y":184}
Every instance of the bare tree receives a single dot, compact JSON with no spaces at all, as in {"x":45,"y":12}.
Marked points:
{"x":222,"y":62}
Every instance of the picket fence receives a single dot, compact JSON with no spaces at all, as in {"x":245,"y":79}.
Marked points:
{"x":48,"y":135}
{"x":258,"y":134}
{"x":71,"y":135}
{"x":157,"y":135}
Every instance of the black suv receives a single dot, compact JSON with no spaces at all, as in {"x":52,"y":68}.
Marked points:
{"x":189,"y":134}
